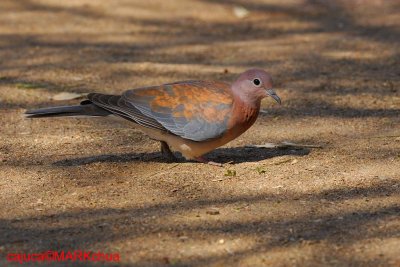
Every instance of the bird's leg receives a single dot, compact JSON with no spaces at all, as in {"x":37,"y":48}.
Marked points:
{"x":166,"y":151}
{"x":203,"y":160}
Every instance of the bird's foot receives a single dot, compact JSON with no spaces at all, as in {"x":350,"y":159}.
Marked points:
{"x":203,"y":160}
{"x":166,"y":152}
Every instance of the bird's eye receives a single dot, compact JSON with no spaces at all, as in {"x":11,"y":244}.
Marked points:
{"x":257,"y":82}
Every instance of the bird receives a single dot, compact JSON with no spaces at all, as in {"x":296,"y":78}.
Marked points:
{"x":192,"y":117}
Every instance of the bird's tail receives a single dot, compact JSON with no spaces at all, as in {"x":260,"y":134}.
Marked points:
{"x":86,"y":108}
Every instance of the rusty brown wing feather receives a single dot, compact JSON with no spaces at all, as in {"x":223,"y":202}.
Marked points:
{"x":195,"y":110}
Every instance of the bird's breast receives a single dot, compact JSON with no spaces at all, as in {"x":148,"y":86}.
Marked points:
{"x":243,"y":117}
{"x":241,"y":120}
{"x":246,"y":118}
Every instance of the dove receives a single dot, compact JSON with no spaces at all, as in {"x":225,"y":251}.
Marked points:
{"x":191,"y":117}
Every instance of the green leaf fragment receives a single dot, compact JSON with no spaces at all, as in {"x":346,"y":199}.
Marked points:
{"x":230,"y":172}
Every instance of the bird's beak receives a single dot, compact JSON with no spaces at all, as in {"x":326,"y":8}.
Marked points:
{"x":272,"y":94}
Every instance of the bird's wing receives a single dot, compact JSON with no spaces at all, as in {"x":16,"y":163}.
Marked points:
{"x":195,"y":110}
{"x":118,"y":106}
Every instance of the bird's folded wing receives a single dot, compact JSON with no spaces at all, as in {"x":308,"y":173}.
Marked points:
{"x":195,"y":110}
{"x":117,"y":105}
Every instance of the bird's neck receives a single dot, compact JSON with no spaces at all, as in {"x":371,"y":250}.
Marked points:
{"x":245,"y":113}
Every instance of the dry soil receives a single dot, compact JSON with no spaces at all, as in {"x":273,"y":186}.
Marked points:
{"x":69,"y":184}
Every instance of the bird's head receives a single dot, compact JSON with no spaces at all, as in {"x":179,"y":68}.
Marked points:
{"x":253,"y":85}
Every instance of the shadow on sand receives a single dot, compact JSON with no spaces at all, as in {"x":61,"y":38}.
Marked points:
{"x":221,"y":155}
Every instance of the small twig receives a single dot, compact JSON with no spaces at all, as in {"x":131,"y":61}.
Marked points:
{"x":382,"y":136}
{"x":289,"y":144}
{"x":285,"y":144}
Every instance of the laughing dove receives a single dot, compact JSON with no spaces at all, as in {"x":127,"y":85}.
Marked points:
{"x":191,"y":117}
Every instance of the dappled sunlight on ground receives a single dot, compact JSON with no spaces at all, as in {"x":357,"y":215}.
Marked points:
{"x":99,"y":185}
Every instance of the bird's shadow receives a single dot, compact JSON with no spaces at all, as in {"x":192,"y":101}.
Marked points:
{"x":222,"y":155}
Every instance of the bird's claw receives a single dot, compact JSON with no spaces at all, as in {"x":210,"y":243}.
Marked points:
{"x":166,"y":152}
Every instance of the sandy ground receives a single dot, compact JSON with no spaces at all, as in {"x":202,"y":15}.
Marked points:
{"x":69,"y":184}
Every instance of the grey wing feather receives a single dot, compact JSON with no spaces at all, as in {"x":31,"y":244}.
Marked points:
{"x":118,"y":106}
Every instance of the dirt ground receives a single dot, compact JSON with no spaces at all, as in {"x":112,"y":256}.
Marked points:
{"x":89,"y":184}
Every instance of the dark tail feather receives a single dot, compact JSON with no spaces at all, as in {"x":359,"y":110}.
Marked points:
{"x":85,"y":109}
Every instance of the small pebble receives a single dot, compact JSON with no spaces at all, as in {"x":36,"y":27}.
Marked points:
{"x":183,"y":238}
{"x":212,"y":212}
{"x":240,"y":12}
